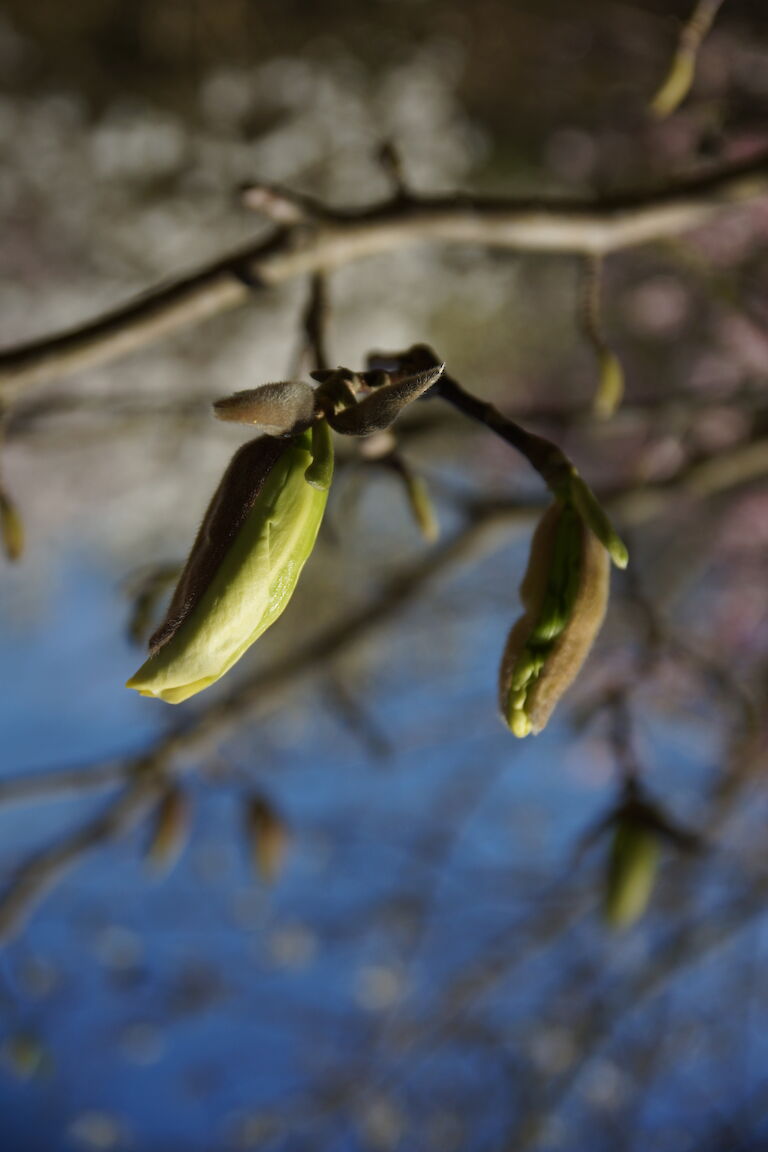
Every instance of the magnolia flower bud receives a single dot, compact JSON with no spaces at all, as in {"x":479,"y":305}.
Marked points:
{"x":631,"y":872}
{"x":170,"y":830}
{"x":25,"y":1055}
{"x":283,"y":409}
{"x":267,"y":836}
{"x":564,"y":593}
{"x":381,"y":407}
{"x":421,"y":506}
{"x":610,"y":387}
{"x":417,"y":495}
{"x":256,"y":536}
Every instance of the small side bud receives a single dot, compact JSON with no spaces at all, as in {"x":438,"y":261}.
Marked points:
{"x":256,"y":536}
{"x":564,"y":593}
{"x":631,"y":873}
{"x":610,"y":389}
{"x":675,"y":87}
{"x":11,"y":528}
{"x":170,"y":830}
{"x":267,"y":838}
{"x":416,"y":493}
{"x":379,"y":410}
{"x":421,"y":506}
{"x":277,"y":204}
{"x":282,"y":409}
{"x":25,"y":1055}
{"x":593,"y":514}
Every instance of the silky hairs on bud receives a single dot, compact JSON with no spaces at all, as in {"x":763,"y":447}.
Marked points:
{"x":564,"y":593}
{"x":256,"y":536}
{"x":379,"y":410}
{"x":279,"y":409}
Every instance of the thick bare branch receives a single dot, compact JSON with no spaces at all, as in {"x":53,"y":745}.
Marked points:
{"x":340,"y":237}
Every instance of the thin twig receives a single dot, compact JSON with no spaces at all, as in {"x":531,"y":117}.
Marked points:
{"x":547,"y":459}
{"x":610,"y":389}
{"x":677,"y":83}
{"x":46,"y":867}
{"x":316,"y":322}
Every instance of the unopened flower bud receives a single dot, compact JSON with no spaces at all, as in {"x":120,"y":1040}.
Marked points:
{"x":564,"y":593}
{"x":422,"y":508}
{"x":417,"y":495}
{"x":610,"y":388}
{"x":257,"y":534}
{"x":25,"y":1055}
{"x":631,"y":873}
{"x":170,"y":830}
{"x":380,"y":408}
{"x":267,"y":838}
{"x":282,"y":409}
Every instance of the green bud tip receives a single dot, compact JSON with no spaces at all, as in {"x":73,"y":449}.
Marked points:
{"x":564,"y":594}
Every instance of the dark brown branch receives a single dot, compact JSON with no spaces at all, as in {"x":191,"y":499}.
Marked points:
{"x":547,"y":459}
{"x":316,"y":322}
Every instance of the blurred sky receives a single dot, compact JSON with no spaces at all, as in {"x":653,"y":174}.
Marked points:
{"x":430,"y":970}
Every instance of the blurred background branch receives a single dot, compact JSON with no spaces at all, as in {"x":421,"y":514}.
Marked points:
{"x":331,"y":900}
{"x":336,"y":237}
